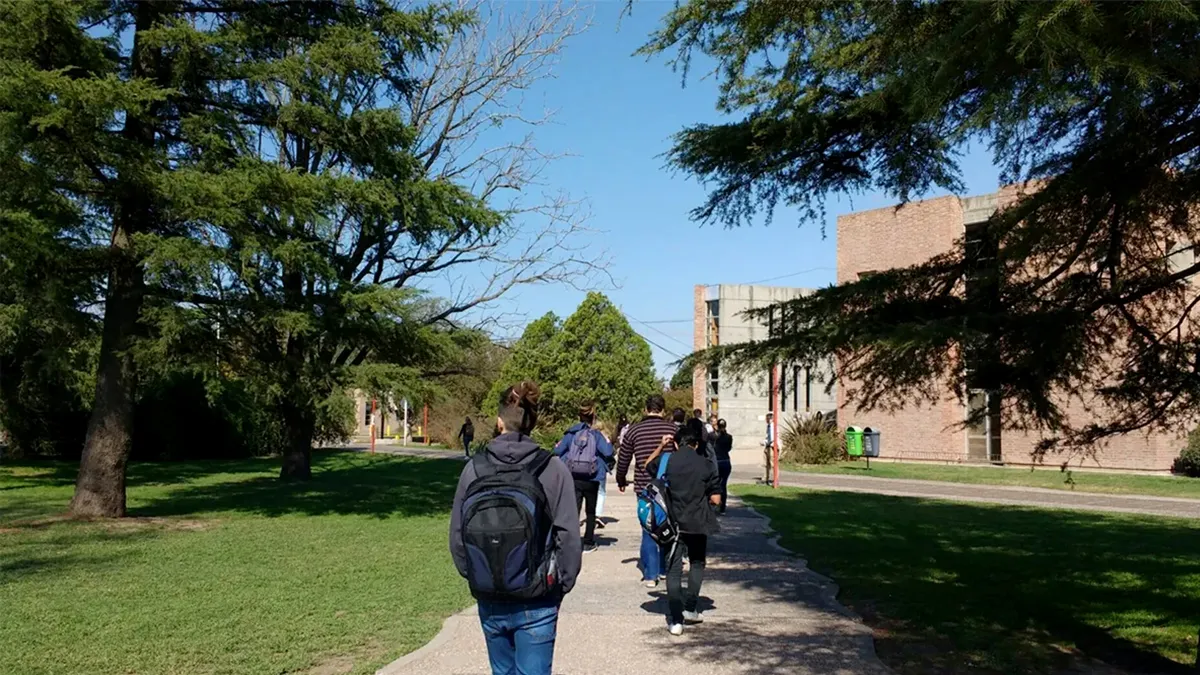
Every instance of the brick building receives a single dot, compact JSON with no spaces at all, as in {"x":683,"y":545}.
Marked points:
{"x":745,"y":402}
{"x":870,"y":241}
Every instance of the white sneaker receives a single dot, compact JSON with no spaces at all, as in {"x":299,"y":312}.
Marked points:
{"x":652,"y":583}
{"x":692,"y":617}
{"x":676,"y":629}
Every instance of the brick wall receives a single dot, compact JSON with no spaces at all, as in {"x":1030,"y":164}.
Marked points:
{"x":898,"y":237}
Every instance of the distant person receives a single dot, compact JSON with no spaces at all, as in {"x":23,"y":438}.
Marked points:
{"x":640,"y":441}
{"x":512,"y":488}
{"x":467,"y":435}
{"x":609,"y":463}
{"x":622,"y":425}
{"x":679,"y":417}
{"x":723,"y":444}
{"x":711,"y":425}
{"x":586,"y":453}
{"x":693,"y":490}
{"x":768,"y":447}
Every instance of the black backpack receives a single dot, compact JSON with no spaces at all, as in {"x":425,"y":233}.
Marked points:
{"x":508,"y":531}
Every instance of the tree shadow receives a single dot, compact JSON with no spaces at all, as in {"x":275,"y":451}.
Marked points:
{"x":43,"y":550}
{"x":760,"y":648}
{"x":343,"y":483}
{"x":1000,"y":589}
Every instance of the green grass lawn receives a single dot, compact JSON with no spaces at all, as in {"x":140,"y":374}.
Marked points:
{"x":963,"y":588}
{"x":1082,"y":481}
{"x":222,"y":569}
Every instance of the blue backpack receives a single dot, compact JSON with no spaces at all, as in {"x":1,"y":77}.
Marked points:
{"x":654,"y":507}
{"x":580,"y":458}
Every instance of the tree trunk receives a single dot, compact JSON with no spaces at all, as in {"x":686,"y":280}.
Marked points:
{"x":300,"y":426}
{"x":100,"y":487}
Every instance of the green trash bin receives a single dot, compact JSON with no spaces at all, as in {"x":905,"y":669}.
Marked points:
{"x":854,"y":441}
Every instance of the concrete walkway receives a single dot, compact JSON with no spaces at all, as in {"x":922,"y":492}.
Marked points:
{"x":990,"y":494}
{"x":766,"y":613}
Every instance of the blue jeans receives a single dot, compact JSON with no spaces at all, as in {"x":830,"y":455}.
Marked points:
{"x":520,"y":636}
{"x":652,"y":559}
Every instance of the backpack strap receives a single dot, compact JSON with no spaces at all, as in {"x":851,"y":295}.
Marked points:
{"x":540,"y":462}
{"x":662,"y":465}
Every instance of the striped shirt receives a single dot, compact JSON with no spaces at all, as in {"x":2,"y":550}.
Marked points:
{"x":641,"y":440}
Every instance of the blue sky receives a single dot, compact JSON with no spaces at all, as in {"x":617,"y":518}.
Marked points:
{"x":616,"y":113}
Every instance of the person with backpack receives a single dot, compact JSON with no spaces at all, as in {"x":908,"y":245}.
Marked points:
{"x":586,"y":452}
{"x":514,"y":536}
{"x":693,"y":489}
{"x":639,"y":442}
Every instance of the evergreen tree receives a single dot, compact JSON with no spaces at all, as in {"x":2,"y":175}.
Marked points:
{"x":599,"y":358}
{"x":1092,"y":284}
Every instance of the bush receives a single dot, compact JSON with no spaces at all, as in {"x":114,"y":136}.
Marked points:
{"x":811,"y":440}
{"x":1188,"y":462}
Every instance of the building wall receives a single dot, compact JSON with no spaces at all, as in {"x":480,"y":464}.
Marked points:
{"x":744,"y":404}
{"x":909,"y":235}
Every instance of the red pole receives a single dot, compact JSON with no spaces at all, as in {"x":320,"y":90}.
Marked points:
{"x":775,"y":425}
{"x":425,"y":426}
{"x":374,"y":409}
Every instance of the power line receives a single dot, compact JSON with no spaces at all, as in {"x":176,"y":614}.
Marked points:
{"x":652,"y":342}
{"x":667,"y":321}
{"x":793,"y":274}
{"x":666,"y":335}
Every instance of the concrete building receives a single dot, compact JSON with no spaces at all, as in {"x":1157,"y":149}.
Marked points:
{"x":871,"y":241}
{"x":744,"y":403}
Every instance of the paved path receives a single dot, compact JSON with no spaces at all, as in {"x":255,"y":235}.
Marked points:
{"x":992,"y":494}
{"x":766,"y":613}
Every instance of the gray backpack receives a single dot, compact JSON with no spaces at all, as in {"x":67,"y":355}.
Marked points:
{"x":581,"y":456}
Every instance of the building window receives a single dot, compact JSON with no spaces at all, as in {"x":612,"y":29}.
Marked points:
{"x":796,"y":390}
{"x":866,"y":273}
{"x":771,"y":390}
{"x":808,"y":382}
{"x":783,"y":389}
{"x":366,"y":413}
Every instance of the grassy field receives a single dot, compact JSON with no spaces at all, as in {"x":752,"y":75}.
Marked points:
{"x":958,"y":588}
{"x":222,"y":569}
{"x":1082,"y":481}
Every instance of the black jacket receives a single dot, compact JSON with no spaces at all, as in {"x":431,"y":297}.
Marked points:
{"x":724,"y":445}
{"x":692,"y":479}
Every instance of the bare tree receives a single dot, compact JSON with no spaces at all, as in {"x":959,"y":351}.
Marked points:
{"x":477,"y":128}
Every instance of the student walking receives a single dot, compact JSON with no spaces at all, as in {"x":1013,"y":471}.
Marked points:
{"x":640,"y":441}
{"x":513,"y":498}
{"x":694,"y":490}
{"x":723,"y":445}
{"x":467,"y":435}
{"x":586,"y":453}
{"x":609,"y":463}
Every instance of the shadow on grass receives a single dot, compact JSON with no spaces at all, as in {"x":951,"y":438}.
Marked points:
{"x":956,"y":588}
{"x":343,"y":483}
{"x":50,"y":550}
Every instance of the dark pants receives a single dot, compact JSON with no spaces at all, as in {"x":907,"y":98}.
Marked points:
{"x":677,"y":600}
{"x":466,"y":441}
{"x":586,"y":492}
{"x":724,"y":468}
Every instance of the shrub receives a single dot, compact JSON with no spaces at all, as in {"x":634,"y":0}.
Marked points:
{"x":1188,"y":462}
{"x":811,"y":440}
